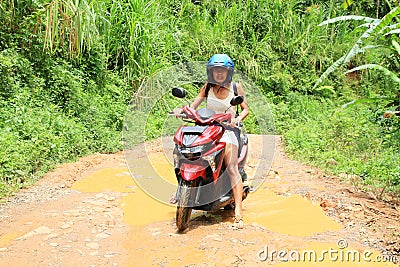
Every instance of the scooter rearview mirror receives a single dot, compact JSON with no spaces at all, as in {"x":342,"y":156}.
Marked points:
{"x":237,"y":100}
{"x":178,"y":92}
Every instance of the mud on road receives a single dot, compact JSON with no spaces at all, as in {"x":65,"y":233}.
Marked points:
{"x":92,"y":213}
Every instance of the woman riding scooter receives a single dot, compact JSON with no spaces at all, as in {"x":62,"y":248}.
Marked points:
{"x":218,"y":91}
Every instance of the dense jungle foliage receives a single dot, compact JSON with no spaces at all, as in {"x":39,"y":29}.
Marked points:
{"x":69,"y":68}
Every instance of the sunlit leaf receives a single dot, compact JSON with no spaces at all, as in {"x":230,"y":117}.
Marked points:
{"x":342,"y":61}
{"x":387,"y":72}
{"x":347,"y":3}
{"x":347,"y":18}
{"x":376,"y":27}
{"x":369,"y":100}
{"x":396,"y":46}
{"x":387,"y":19}
{"x":397,"y":31}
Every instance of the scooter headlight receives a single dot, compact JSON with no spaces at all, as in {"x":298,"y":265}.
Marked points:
{"x":192,"y":152}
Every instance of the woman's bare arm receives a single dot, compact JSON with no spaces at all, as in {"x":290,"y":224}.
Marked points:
{"x":200,"y":97}
{"x":245,"y":108}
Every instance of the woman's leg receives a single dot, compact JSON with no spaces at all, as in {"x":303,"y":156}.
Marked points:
{"x":231,"y":161}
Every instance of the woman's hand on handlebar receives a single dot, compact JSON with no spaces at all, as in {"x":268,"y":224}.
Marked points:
{"x":177,"y":112}
{"x":235,"y":122}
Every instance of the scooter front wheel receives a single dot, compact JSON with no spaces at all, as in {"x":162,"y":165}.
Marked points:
{"x":184,"y":210}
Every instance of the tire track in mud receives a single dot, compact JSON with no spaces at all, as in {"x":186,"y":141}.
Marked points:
{"x":105,"y":219}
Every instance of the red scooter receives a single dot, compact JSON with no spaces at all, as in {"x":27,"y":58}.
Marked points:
{"x":203,"y":183}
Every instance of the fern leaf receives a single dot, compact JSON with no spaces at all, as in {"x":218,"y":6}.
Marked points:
{"x":385,"y":71}
{"x":346,"y":18}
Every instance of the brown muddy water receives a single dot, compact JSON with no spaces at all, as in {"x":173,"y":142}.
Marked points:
{"x":286,"y":215}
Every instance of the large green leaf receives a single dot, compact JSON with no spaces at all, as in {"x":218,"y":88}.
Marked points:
{"x":387,"y":72}
{"x":397,"y":31}
{"x":376,"y":26}
{"x":387,"y":19}
{"x":347,"y":18}
{"x":396,"y":46}
{"x":347,"y":3}
{"x":369,"y":100}
{"x":390,"y":28}
{"x":342,"y":61}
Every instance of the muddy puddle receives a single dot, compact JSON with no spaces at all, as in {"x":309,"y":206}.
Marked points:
{"x":284,"y":218}
{"x":8,"y":238}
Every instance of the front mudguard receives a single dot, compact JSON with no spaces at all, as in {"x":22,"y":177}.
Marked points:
{"x":190,"y":172}
{"x":187,"y":193}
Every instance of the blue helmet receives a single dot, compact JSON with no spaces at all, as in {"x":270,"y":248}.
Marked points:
{"x":220,"y":60}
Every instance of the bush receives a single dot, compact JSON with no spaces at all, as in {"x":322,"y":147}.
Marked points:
{"x":34,"y":139}
{"x":46,"y":120}
{"x":340,"y":140}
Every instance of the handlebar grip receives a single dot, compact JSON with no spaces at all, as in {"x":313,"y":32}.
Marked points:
{"x":182,"y":115}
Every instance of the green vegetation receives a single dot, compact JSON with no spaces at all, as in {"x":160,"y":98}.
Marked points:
{"x":68,"y":70}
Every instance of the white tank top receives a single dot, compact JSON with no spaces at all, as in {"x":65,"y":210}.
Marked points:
{"x":220,"y":105}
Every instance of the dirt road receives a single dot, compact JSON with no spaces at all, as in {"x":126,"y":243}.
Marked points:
{"x":92,"y":213}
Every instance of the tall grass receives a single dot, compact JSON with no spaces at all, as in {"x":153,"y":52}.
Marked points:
{"x":84,"y":59}
{"x":69,"y":24}
{"x":141,"y":37}
{"x":136,"y":37}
